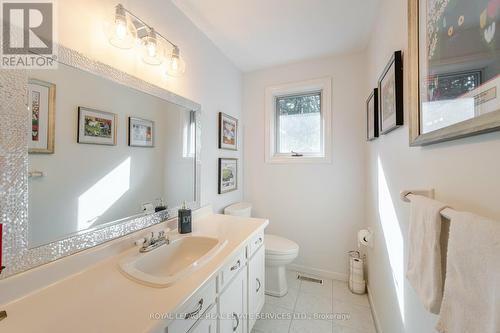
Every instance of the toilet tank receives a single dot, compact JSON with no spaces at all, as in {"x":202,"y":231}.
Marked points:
{"x":243,"y":209}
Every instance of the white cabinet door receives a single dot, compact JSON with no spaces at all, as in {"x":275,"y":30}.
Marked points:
{"x":232,"y":305}
{"x":256,"y":287}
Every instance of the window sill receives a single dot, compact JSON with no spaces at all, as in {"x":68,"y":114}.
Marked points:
{"x":299,"y":160}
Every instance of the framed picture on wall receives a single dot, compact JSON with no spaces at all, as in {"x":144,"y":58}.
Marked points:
{"x":390,"y":89}
{"x":96,"y":127}
{"x":372,"y":116}
{"x":140,"y":132}
{"x":454,"y":69}
{"x":228,"y":175}
{"x":41,"y":105}
{"x":228,"y":132}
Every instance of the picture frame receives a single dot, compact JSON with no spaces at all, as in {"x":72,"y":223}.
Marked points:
{"x":140,"y":132}
{"x":390,"y":95}
{"x":41,"y":106}
{"x":228,"y":175}
{"x":228,"y":132}
{"x":446,"y":40}
{"x":372,"y":116}
{"x":96,"y":127}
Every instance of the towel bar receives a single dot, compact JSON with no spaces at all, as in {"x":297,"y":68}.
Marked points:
{"x":447,"y":213}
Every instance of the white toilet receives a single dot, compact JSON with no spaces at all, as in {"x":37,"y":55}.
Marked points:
{"x":279,"y":253}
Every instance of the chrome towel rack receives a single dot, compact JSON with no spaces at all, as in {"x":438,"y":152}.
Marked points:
{"x":429,"y":193}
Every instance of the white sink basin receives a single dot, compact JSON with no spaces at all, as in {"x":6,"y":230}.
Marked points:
{"x":167,"y":264}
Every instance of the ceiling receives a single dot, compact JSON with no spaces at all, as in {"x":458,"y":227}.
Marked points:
{"x":255,"y":34}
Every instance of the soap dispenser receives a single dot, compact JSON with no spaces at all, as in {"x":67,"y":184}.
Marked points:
{"x":184,"y":219}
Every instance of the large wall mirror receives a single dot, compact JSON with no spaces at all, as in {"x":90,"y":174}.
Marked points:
{"x":108,"y":154}
{"x":454,"y":69}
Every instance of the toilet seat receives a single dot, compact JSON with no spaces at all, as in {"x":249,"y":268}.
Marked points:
{"x":278,"y":246}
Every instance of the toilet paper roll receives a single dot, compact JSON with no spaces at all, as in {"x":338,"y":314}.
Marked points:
{"x":356,"y":270}
{"x":357,"y":263}
{"x":357,"y":273}
{"x":365,"y":238}
{"x":358,"y":287}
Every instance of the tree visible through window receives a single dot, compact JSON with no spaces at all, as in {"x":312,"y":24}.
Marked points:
{"x":298,"y":123}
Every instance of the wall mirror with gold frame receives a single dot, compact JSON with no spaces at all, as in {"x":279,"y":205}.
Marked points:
{"x":454,"y":69}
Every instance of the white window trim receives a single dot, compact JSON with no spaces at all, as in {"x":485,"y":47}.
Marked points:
{"x":322,"y":84}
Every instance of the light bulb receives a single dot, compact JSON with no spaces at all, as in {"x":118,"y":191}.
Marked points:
{"x":151,"y":48}
{"x":120,"y":33}
{"x":176,"y":66}
{"x":121,"y":29}
{"x":151,"y":53}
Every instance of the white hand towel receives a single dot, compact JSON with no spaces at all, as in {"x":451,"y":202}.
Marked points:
{"x":471,"y":301}
{"x":424,"y":271}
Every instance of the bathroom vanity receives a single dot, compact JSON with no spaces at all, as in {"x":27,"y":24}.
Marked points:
{"x":223,"y":295}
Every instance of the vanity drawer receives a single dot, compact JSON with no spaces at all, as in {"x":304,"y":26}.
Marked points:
{"x":255,"y":244}
{"x":231,"y":269}
{"x":193,"y":309}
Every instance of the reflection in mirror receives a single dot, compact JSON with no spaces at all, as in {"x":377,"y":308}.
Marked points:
{"x":117,"y":153}
{"x":459,"y":62}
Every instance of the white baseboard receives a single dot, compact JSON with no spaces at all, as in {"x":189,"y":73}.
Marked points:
{"x":318,"y":272}
{"x":374,"y":312}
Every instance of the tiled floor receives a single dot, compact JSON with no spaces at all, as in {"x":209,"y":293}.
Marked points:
{"x":313,"y":308}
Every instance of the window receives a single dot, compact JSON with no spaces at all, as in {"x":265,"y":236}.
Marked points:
{"x":298,"y":123}
{"x":298,"y":118}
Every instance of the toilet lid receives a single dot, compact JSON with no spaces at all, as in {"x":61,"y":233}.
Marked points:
{"x":239,"y":209}
{"x":279,"y":245}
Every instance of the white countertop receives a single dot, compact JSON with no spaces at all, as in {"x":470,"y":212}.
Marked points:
{"x":102,"y":299}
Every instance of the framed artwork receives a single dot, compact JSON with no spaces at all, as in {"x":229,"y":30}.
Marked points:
{"x":140,"y":132}
{"x":454,"y":69}
{"x":390,"y":89}
{"x":228,"y":132}
{"x":96,"y":127}
{"x":41,"y":105}
{"x":228,"y":175}
{"x":372,"y":116}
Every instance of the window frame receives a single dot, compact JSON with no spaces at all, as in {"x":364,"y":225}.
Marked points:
{"x":322,"y":85}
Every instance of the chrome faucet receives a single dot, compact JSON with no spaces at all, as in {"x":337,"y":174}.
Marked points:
{"x":154,"y":242}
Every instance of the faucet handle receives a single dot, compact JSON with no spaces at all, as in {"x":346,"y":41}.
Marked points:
{"x":161,"y":234}
{"x":140,"y":241}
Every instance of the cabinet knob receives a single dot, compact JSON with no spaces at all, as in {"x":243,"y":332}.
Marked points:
{"x":236,"y":266}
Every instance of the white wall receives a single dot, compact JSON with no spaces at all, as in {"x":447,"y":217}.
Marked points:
{"x":319,"y":206}
{"x":463,"y":172}
{"x":210,"y":79}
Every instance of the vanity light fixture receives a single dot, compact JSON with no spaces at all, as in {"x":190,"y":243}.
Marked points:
{"x":128,"y":30}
